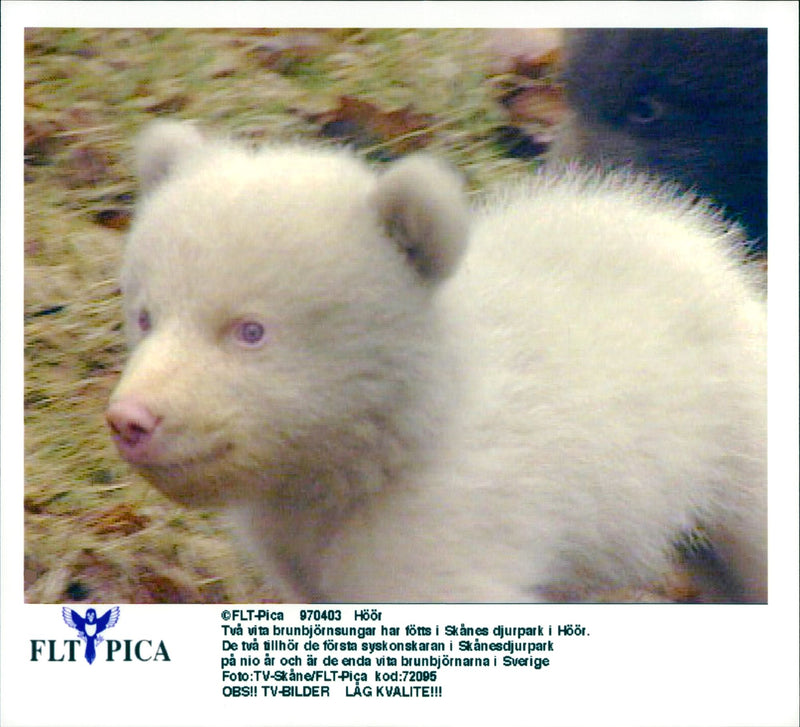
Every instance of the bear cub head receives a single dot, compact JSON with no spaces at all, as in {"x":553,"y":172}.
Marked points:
{"x":280,"y":308}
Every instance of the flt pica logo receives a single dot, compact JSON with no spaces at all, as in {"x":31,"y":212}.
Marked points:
{"x":90,"y":628}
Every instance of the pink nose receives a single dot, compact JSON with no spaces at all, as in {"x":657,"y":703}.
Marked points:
{"x":133,"y":425}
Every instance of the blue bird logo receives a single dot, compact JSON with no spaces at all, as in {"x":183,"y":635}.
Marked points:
{"x":90,"y":626}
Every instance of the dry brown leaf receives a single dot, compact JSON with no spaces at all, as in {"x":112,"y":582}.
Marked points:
{"x":170,"y":105}
{"x":120,"y":519}
{"x":536,"y":102}
{"x":115,"y":218}
{"x":362,"y":123}
{"x":537,"y":66}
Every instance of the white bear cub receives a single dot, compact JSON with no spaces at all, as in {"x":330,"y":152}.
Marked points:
{"x":400,"y":399}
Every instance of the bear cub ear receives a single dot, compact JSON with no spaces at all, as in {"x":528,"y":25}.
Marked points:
{"x":422,"y":205}
{"x":161,"y":146}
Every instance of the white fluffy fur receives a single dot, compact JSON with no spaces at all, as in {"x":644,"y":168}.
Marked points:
{"x":547,"y":414}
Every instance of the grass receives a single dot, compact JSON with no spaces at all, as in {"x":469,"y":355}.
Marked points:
{"x":93,"y":530}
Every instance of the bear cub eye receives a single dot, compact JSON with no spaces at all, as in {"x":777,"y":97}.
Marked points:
{"x":143,"y":320}
{"x":646,"y":110}
{"x":250,"y":334}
